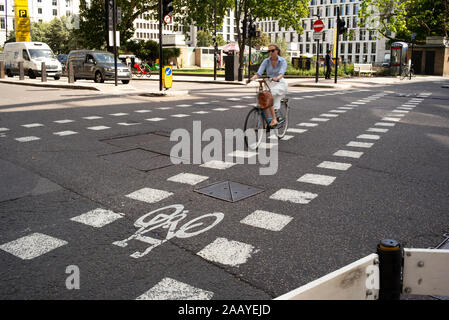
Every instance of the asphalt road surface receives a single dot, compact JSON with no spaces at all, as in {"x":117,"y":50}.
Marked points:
{"x":84,"y":175}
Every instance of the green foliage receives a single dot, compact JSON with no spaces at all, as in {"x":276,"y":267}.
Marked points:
{"x":404,"y":17}
{"x":220,"y":40}
{"x":262,"y":41}
{"x":204,"y":39}
{"x":149,"y":50}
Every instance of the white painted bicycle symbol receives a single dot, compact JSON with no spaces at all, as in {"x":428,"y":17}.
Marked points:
{"x":170,"y":222}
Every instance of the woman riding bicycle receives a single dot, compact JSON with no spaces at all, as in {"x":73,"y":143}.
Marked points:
{"x":276,"y":66}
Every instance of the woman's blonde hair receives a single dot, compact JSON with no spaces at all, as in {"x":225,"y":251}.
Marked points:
{"x":277,"y":48}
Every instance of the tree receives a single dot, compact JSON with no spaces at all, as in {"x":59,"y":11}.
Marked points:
{"x":201,"y":12}
{"x":262,"y":41}
{"x":404,"y":17}
{"x":204,"y":39}
{"x":220,"y":40}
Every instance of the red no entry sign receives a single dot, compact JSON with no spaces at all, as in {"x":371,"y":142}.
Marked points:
{"x":318,"y":26}
{"x":167,"y":19}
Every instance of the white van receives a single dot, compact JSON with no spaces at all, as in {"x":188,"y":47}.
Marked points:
{"x":32,"y":54}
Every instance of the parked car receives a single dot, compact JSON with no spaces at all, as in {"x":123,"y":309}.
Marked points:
{"x":32,"y":54}
{"x":62,"y":58}
{"x":97,"y":66}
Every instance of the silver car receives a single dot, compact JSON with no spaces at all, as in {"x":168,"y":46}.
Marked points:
{"x":97,"y":66}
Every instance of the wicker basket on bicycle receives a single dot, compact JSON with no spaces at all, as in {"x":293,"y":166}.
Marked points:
{"x":264,"y":97}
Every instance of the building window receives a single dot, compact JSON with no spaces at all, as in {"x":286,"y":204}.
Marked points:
{"x":373,"y":47}
{"x":55,"y":12}
{"x":373,"y":58}
{"x":2,"y":7}
{"x":365,"y":47}
{"x":357,"y":47}
{"x":39,"y":10}
{"x":349,"y":47}
{"x":54,"y":2}
{"x":2,"y":23}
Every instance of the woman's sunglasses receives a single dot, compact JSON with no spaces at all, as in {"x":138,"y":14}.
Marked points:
{"x":272,"y":50}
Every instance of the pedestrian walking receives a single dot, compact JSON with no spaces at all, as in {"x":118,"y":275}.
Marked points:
{"x":328,"y":63}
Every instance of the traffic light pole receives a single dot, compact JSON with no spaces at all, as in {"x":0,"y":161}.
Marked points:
{"x":160,"y":45}
{"x":250,"y":36}
{"x":215,"y":40}
{"x":317,"y":60}
{"x":336,"y":49}
{"x":114,"y":28}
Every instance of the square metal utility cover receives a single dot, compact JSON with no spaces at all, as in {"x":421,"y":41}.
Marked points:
{"x":229,"y":191}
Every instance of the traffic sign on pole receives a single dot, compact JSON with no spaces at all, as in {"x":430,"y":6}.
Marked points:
{"x":318,"y":26}
{"x":167,"y":19}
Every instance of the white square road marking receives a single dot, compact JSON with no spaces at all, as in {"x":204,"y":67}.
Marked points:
{"x":360,"y":144}
{"x":4,"y":129}
{"x":184,"y":105}
{"x":395,"y":115}
{"x":149,"y":195}
{"x":267,"y":220}
{"x":188,"y":178}
{"x":220,"y":109}
{"x":200,"y":112}
{"x":32,"y":246}
{"x":227,"y":252}
{"x":27,"y":139}
{"x":345,"y":108}
{"x":348,"y":154}
{"x":201,"y":103}
{"x":377,"y":130}
{"x":170,"y":289}
{"x":385,"y":124}
{"x":234,"y":99}
{"x":391,"y":119}
{"x":401,"y":111}
{"x":408,"y":105}
{"x":128,"y":124}
{"x":98,"y":218}
{"x":142,"y":111}
{"x":64,"y":121}
{"x":120,"y":114}
{"x":92,"y":118}
{"x":405,"y":108}
{"x":155,"y":119}
{"x":307,"y":124}
{"x":338,"y":111}
{"x":32,"y":125}
{"x":97,"y":128}
{"x":164,"y":108}
{"x":356,"y":102}
{"x":330,"y":115}
{"x":294,"y":196}
{"x":287,"y":137}
{"x":368,"y":136}
{"x":317,"y":179}
{"x":294,"y":130}
{"x":218,"y":164}
{"x":319,"y":119}
{"x":64,"y":133}
{"x":334,"y":165}
{"x":180,"y":115}
{"x":239,"y":107}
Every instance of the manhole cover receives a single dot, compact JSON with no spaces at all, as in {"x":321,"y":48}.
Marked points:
{"x":229,"y":191}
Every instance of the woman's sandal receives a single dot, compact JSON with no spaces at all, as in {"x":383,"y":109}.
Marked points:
{"x":273,"y":124}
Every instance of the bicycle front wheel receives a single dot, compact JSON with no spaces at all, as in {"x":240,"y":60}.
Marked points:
{"x":403,"y":74}
{"x":255,"y":127}
{"x":148,"y":74}
{"x":283,"y":111}
{"x":139,"y":74}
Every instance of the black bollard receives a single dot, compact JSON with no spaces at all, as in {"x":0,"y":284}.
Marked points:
{"x":390,"y":266}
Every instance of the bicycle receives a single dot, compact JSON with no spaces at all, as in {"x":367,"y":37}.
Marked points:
{"x":257,"y":120}
{"x":407,"y":72}
{"x":145,"y":70}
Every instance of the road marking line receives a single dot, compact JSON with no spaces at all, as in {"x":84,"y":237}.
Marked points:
{"x":164,"y":108}
{"x":218,"y":164}
{"x":338,"y":111}
{"x":120,"y":114}
{"x":264,"y":145}
{"x":294,"y":196}
{"x":128,"y":124}
{"x":345,"y":108}
{"x":287,"y":137}
{"x":184,"y":105}
{"x":400,"y":111}
{"x":64,"y":121}
{"x":356,"y":102}
{"x":328,"y":115}
{"x":201,"y":103}
{"x":298,"y":98}
{"x":200,"y":112}
{"x":408,"y":105}
{"x":360,"y":144}
{"x":267,"y":220}
{"x":294,"y":130}
{"x":234,"y":99}
{"x":142,"y":111}
{"x":170,"y":289}
{"x":98,"y":128}
{"x":32,"y":125}
{"x":377,"y":130}
{"x":385,"y":124}
{"x":4,"y":129}
{"x":405,"y":108}
{"x":307,"y":124}
{"x":32,"y":246}
{"x":317,"y":179}
{"x":309,"y":96}
{"x":368,"y":136}
{"x":27,"y":139}
{"x":239,"y":107}
{"x":98,"y":218}
{"x":92,"y":118}
{"x":334,"y":165}
{"x":220,"y":109}
{"x":65,"y":133}
{"x":391,"y":119}
{"x":155,"y":119}
{"x":395,"y":115}
{"x":188,"y":178}
{"x":227,"y":252}
{"x":149,"y":195}
{"x":348,"y":154}
{"x":242,"y":154}
{"x":319,"y":119}
{"x":180,"y":115}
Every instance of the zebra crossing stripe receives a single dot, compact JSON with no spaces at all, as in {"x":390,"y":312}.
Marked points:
{"x":360,"y":144}
{"x":98,"y":128}
{"x":307,"y":124}
{"x":98,"y":218}
{"x":64,"y":133}
{"x":348,"y":154}
{"x":64,"y":121}
{"x":334,"y":165}
{"x":217,"y":164}
{"x":319,"y":179}
{"x":385,"y":124}
{"x":377,"y":130}
{"x":188,"y":178}
{"x":27,"y":139}
{"x":149,"y":195}
{"x":32,"y":125}
{"x":227,"y":252}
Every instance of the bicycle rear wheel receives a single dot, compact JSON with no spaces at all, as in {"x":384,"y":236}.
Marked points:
{"x":148,"y":73}
{"x":139,"y":74}
{"x":283,"y":112}
{"x":254,"y":123}
{"x":403,"y":73}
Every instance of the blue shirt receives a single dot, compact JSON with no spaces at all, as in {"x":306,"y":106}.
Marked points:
{"x":280,"y":68}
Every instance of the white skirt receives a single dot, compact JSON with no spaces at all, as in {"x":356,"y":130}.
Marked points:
{"x":278,"y":90}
